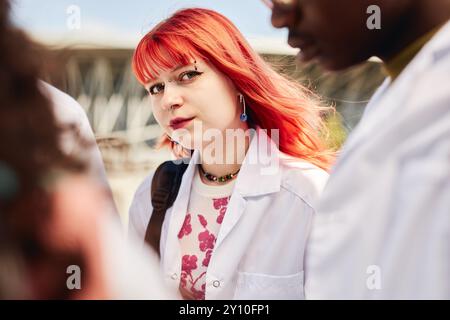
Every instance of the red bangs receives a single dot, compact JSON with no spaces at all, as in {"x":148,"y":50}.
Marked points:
{"x":155,"y":54}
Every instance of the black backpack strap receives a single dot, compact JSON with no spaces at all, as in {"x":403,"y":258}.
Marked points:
{"x":165,"y":185}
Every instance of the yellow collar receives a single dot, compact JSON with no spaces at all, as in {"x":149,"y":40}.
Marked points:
{"x":396,"y":65}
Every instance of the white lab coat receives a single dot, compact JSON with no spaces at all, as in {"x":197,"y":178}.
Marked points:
{"x":382,"y":228}
{"x":260,"y":247}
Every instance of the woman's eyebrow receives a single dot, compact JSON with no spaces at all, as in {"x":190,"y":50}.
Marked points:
{"x":175,"y":69}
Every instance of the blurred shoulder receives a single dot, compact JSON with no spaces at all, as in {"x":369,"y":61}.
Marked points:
{"x":66,"y":108}
{"x":303,"y":178}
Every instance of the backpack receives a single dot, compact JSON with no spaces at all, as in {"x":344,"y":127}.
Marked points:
{"x":164,"y":190}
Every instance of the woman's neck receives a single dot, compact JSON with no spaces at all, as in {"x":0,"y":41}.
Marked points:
{"x":226,"y":160}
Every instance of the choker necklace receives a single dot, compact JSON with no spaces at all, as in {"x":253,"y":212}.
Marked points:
{"x":213,"y":178}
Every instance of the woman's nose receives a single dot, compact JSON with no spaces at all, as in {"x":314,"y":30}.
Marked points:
{"x":172,"y":98}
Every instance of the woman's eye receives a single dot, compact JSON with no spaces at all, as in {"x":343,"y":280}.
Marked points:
{"x":157,"y":88}
{"x":189,"y":75}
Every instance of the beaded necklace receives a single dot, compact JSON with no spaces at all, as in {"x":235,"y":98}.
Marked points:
{"x":213,"y":178}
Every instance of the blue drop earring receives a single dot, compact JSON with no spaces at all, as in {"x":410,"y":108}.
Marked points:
{"x":244,"y":116}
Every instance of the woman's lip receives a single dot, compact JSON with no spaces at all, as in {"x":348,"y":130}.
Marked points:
{"x":180,"y":123}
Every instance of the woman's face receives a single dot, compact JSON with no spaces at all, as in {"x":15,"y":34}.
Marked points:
{"x":195,"y":95}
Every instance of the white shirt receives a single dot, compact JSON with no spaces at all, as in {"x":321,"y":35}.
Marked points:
{"x":382,"y":228}
{"x":259,"y":250}
{"x":69,"y":112}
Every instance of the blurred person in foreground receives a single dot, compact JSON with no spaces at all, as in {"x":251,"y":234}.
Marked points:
{"x":54,"y":216}
{"x":382,"y":228}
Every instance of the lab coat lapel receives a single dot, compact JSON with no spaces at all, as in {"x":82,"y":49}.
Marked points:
{"x":259,"y":175}
{"x":378,"y":104}
{"x":172,"y":251}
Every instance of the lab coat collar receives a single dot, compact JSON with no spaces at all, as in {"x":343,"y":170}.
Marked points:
{"x":260,"y":171}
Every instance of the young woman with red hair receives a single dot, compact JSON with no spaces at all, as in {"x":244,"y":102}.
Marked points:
{"x":238,"y":226}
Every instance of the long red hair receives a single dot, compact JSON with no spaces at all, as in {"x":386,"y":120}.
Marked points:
{"x":273,"y":101}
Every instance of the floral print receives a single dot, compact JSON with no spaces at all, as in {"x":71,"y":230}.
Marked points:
{"x":189,"y":263}
{"x":221,"y":205}
{"x":186,"y":229}
{"x":205,"y":262}
{"x":202,"y":220}
{"x":205,"y":229}
{"x":206,"y":241}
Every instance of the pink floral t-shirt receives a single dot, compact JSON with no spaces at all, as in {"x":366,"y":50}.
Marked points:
{"x":206,"y":211}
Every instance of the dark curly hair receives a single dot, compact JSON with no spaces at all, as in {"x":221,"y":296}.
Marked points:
{"x":30,"y":149}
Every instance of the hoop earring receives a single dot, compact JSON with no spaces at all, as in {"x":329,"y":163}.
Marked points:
{"x":244,"y":116}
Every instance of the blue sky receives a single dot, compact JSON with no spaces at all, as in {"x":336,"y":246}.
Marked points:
{"x":134,"y":17}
